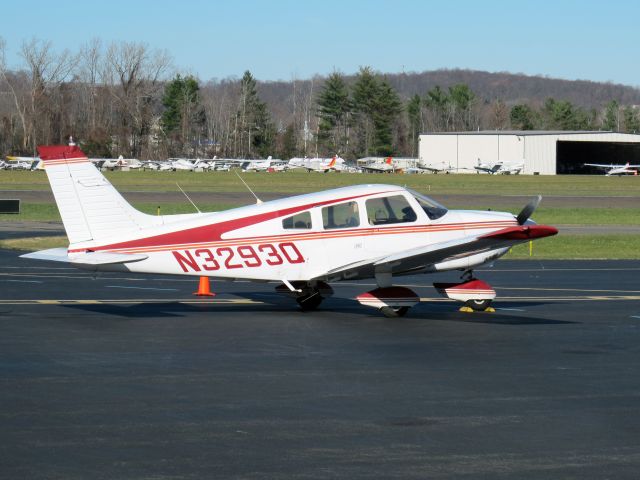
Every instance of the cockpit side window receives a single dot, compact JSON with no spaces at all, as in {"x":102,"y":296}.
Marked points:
{"x":432,"y":208}
{"x":389,"y":210}
{"x":298,"y":221}
{"x":343,"y":215}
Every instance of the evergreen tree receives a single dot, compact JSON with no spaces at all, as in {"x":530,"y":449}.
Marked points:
{"x":254,"y":132}
{"x":288,"y":147}
{"x":183,"y":113}
{"x":631,"y":120}
{"x":437,"y":101}
{"x":334,"y":108}
{"x":462,"y":100}
{"x":522,"y":117}
{"x":386,"y":109}
{"x":611,"y":117}
{"x":414,"y":115}
{"x":563,"y":115}
{"x":365,"y":92}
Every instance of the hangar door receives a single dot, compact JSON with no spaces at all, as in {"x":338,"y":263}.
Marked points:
{"x":571,"y":156}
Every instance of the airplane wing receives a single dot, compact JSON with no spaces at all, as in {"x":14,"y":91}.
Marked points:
{"x":415,"y":260}
{"x":91,"y":258}
{"x":602,"y":165}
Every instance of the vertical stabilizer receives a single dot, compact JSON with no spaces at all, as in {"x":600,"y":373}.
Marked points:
{"x":90,"y":207}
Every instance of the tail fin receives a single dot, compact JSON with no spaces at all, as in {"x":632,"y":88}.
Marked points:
{"x":90,"y":207}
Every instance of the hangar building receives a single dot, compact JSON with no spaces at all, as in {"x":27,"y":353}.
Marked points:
{"x":542,"y":152}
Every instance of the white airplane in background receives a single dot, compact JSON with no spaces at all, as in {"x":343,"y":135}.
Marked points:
{"x":113,"y":163}
{"x":503,"y":168}
{"x":437,"y":169}
{"x":259,"y":165}
{"x":21,"y":163}
{"x":386,"y":166}
{"x":318,"y":164}
{"x":302,"y":242}
{"x":625,"y":169}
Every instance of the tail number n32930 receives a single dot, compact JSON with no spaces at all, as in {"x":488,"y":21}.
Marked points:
{"x":237,"y":256}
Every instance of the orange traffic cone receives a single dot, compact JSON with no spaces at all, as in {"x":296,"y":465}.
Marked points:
{"x":203,"y":288}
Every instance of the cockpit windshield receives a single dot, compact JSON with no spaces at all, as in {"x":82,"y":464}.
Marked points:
{"x":432,"y":208}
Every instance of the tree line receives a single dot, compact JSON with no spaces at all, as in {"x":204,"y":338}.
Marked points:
{"x":127,"y":99}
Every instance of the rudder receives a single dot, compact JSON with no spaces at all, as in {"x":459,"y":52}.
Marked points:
{"x":90,"y":207}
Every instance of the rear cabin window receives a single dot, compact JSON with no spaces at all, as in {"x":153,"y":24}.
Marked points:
{"x":343,"y":215}
{"x":388,"y":210}
{"x":299,"y":220}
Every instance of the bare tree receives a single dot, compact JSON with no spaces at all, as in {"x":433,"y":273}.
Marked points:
{"x":47,"y":71}
{"x":134,"y":76}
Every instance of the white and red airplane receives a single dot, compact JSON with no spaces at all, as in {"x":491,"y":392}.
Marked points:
{"x":303,"y":242}
{"x":612,"y":169}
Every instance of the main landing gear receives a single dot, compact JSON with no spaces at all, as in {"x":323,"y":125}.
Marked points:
{"x":475,"y":294}
{"x":309,"y":295}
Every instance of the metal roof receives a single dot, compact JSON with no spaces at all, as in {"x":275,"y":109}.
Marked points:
{"x":522,"y":133}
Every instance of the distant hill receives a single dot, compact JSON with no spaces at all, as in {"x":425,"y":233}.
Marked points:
{"x":512,"y":88}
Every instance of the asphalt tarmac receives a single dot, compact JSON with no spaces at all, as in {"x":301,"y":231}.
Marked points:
{"x":123,"y":376}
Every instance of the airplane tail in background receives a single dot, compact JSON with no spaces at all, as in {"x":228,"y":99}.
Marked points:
{"x":90,"y":207}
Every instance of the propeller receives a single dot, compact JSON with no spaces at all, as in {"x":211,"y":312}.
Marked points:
{"x":529,"y":208}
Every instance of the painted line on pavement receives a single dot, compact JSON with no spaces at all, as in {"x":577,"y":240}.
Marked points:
{"x":143,"y":288}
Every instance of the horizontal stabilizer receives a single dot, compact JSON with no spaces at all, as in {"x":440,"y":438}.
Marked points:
{"x":105,"y":258}
{"x":90,"y":258}
{"x":51,"y":254}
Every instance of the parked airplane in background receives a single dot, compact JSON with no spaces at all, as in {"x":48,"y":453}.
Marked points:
{"x":120,"y":162}
{"x":437,"y":169}
{"x":21,"y":163}
{"x":317,"y":164}
{"x":386,"y":166}
{"x":625,"y":169}
{"x":503,"y":168}
{"x":303,"y":242}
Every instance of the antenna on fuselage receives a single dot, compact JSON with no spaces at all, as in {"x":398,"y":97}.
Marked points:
{"x":258,"y":201}
{"x":185,"y":194}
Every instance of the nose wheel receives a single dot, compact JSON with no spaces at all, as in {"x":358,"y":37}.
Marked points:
{"x":478,"y":305}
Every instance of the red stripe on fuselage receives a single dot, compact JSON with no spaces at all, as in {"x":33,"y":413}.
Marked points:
{"x":214,"y":232}
{"x":321,"y":235}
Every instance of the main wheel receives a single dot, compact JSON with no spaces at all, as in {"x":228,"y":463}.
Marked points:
{"x":310,"y":302}
{"x":394,"y":312}
{"x":478,"y":305}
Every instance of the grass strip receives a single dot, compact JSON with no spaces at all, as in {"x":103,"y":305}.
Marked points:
{"x":297,"y":181}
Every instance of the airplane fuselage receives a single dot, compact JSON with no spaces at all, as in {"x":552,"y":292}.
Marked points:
{"x":299,"y":238}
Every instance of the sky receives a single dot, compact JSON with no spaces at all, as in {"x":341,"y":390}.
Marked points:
{"x":286,"y":39}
